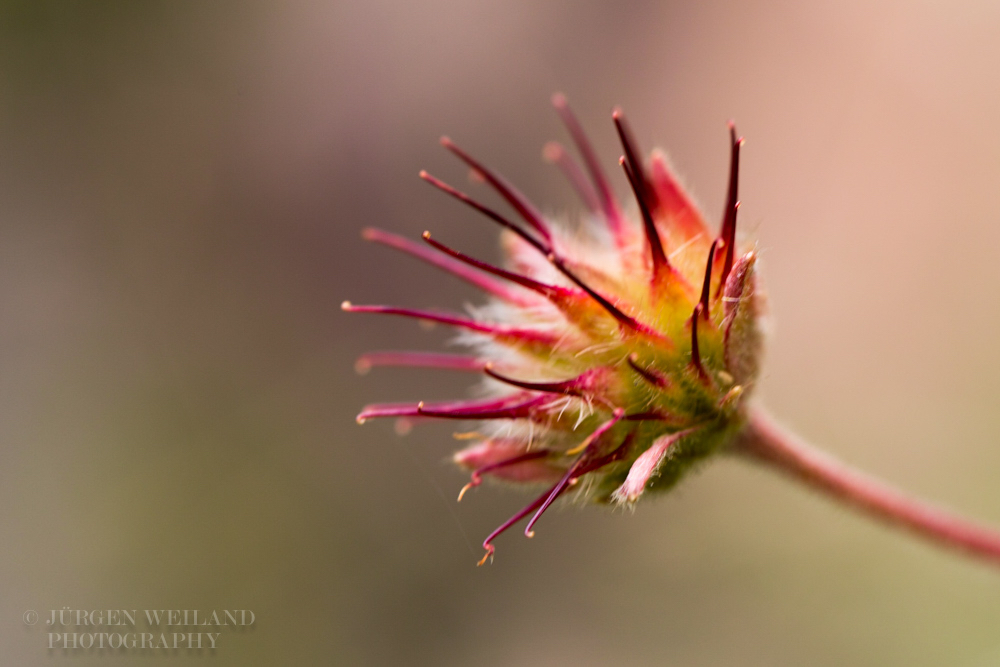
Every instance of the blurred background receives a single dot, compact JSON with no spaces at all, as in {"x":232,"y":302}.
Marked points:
{"x":182,"y":186}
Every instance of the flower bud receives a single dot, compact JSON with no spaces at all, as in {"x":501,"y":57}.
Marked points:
{"x":616,"y":353}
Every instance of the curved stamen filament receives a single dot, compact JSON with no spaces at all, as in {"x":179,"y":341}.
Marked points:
{"x":523,"y":281}
{"x":448,"y":264}
{"x":572,"y":387}
{"x":454,"y":362}
{"x":523,"y":336}
{"x":518,"y":201}
{"x":476,"y":477}
{"x":574,"y":470}
{"x":609,"y":204}
{"x":695,"y":352}
{"x":488,"y":212}
{"x":660,"y":261}
{"x":706,"y":287}
{"x":557,"y":155}
{"x":647,"y":374}
{"x":728,"y":232}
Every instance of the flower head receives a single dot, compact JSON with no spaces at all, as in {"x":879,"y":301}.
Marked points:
{"x":615,"y":354}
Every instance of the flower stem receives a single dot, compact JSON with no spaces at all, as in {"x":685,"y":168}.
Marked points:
{"x":765,"y":441}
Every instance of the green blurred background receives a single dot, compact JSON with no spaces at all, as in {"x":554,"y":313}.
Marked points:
{"x":182,"y":186}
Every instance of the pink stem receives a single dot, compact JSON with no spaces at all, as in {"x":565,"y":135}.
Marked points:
{"x":765,"y":441}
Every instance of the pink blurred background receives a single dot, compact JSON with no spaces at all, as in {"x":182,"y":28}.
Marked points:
{"x":182,"y":187}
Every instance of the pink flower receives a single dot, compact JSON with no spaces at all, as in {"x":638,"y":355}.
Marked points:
{"x":616,"y":354}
